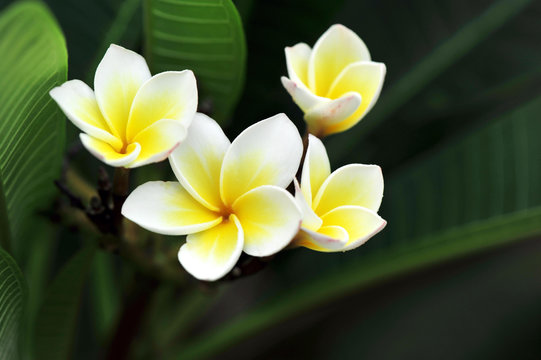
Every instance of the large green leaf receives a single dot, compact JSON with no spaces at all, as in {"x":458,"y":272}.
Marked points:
{"x":33,"y":61}
{"x":57,"y":318}
{"x":476,"y":193}
{"x":205,"y":36}
{"x":12,"y":298}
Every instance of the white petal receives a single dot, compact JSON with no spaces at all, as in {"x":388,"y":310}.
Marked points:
{"x":168,"y":95}
{"x":364,"y":78}
{"x":322,"y":117}
{"x":166,"y":208}
{"x":360,"y":223}
{"x":118,"y":77}
{"x":333,"y":51}
{"x":266,"y":153}
{"x":303,"y":97}
{"x":297,"y":58}
{"x":211,"y":254}
{"x":158,"y":141}
{"x":198,"y":160}
{"x":309,"y":218}
{"x":78,"y":102}
{"x":269,"y":218}
{"x":354,"y":184}
{"x":326,"y":239}
{"x":316,"y":168}
{"x":106,"y":153}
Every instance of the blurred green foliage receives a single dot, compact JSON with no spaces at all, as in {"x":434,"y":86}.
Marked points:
{"x":455,"y":131}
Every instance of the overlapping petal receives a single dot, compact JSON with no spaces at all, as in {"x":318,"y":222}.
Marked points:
{"x":158,"y":141}
{"x":269,"y":218}
{"x":106,"y":153}
{"x":167,"y":95}
{"x":210,"y":254}
{"x":167,"y":208}
{"x":300,"y":94}
{"x":198,"y":160}
{"x":119,"y":76}
{"x":326,"y":239}
{"x":324,"y":117}
{"x":79,"y":104}
{"x":316,"y":168}
{"x":360,"y":223}
{"x":364,"y":78}
{"x":309,"y":218}
{"x":297,"y":58}
{"x":266,"y":153}
{"x":333,"y":51}
{"x":354,"y":184}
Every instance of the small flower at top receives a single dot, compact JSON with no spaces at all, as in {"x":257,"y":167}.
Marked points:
{"x":131,"y":118}
{"x":339,"y":209}
{"x":335,"y":83}
{"x":229,"y":198}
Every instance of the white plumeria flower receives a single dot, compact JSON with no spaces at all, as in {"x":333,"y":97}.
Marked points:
{"x":131,"y":118}
{"x":335,"y":83}
{"x":230,"y":196}
{"x":339,"y":209}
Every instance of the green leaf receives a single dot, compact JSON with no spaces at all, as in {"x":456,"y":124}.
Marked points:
{"x":57,"y":318}
{"x":12,"y":298}
{"x":33,"y":61}
{"x":478,"y":192}
{"x":205,"y":36}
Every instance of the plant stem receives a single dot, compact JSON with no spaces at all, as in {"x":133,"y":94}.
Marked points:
{"x":121,"y":185}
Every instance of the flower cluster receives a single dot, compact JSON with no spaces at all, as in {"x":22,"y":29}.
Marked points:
{"x":231,"y":197}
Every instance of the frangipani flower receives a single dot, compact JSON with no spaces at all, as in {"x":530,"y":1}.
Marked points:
{"x":339,"y":209}
{"x":131,"y":118}
{"x":230,"y":196}
{"x":335,"y":83}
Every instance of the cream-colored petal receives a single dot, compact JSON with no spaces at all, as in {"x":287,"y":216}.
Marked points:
{"x":297,"y":58}
{"x":303,"y":97}
{"x":316,"y":168}
{"x":365,"y":78}
{"x":360,"y":223}
{"x":198,"y":160}
{"x":333,"y":51}
{"x":78,"y":102}
{"x":158,"y":141}
{"x":326,"y":239}
{"x":266,"y":153}
{"x":211,"y":254}
{"x":309,"y":218}
{"x":270,"y":218}
{"x":168,"y":95}
{"x":325,"y":116}
{"x":354,"y":184}
{"x":118,"y":77}
{"x":106,"y":153}
{"x":166,"y":208}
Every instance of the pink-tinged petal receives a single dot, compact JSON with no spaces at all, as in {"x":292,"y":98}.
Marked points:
{"x":119,"y":76}
{"x":326,"y":239}
{"x":303,"y":97}
{"x":354,"y":184}
{"x":78,"y":102}
{"x":106,"y":153}
{"x":364,"y":78}
{"x":197,"y":162}
{"x":166,"y":208}
{"x":266,"y":153}
{"x":333,"y":51}
{"x":211,"y":254}
{"x":269,"y":218}
{"x":360,"y":223}
{"x":322,"y":118}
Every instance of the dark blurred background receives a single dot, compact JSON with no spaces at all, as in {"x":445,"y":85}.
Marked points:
{"x":456,"y":273}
